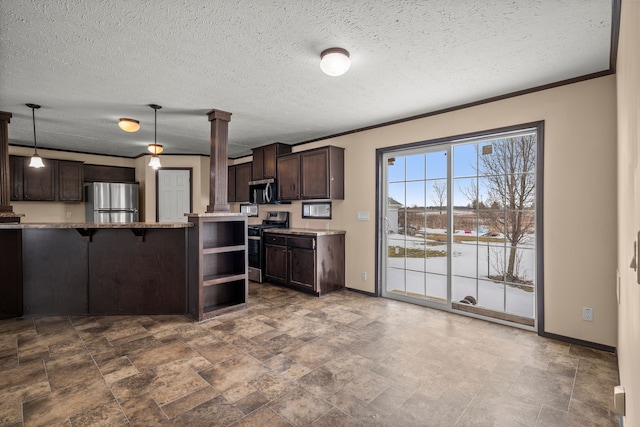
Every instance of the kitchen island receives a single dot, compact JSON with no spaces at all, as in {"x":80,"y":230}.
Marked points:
{"x":93,"y":268}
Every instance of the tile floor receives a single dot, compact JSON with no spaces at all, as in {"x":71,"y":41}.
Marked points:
{"x":295,"y":360}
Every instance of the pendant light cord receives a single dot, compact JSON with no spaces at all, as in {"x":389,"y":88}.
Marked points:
{"x":155,"y":131}
{"x":34,"y":107}
{"x":33,"y":117}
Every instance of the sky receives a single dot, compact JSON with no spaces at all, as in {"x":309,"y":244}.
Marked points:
{"x":423,"y":172}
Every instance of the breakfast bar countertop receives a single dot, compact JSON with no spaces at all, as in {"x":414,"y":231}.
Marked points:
{"x":95,"y":225}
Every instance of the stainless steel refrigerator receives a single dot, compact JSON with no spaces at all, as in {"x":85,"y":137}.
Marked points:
{"x":111,"y":202}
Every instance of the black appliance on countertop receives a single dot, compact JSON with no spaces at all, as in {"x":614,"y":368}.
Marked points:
{"x":256,"y":242}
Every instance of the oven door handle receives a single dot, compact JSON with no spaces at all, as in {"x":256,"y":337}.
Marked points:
{"x":253,"y":237}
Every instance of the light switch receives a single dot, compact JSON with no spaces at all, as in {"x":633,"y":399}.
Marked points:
{"x":362,"y":216}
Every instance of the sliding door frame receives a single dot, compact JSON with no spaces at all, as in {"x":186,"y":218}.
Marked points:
{"x":539,"y":221}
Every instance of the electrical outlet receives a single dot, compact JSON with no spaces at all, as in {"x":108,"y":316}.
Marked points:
{"x":363,"y":275}
{"x":587,"y":314}
{"x":68,"y":214}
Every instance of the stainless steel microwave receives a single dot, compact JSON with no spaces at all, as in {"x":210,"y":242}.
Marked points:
{"x":263,"y":191}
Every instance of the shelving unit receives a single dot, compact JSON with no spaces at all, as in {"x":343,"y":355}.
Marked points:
{"x":218,"y":279}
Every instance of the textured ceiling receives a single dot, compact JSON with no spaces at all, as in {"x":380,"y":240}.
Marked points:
{"x":90,"y":62}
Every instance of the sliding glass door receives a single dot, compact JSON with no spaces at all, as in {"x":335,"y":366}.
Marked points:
{"x":459,"y":225}
{"x":416,"y":219}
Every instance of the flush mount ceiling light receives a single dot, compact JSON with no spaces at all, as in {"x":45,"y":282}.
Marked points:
{"x":129,"y":125}
{"x":155,"y":148}
{"x":36,"y":160}
{"x":335,"y":61}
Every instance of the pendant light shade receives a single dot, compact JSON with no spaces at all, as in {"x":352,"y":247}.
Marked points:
{"x":155,"y":148}
{"x":335,"y":61}
{"x":154,"y":162}
{"x":129,"y":125}
{"x":36,"y":160}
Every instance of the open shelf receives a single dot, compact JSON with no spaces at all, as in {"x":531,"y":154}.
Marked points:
{"x":217,"y":265}
{"x":223,"y":249}
{"x":217,"y":279}
{"x":217,"y":234}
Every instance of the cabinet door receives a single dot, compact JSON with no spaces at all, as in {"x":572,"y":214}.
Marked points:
{"x":269,"y":161}
{"x":314,"y":179}
{"x":275,"y":260}
{"x":70,"y":181}
{"x":289,"y":177}
{"x":231,"y":184}
{"x":15,"y":168}
{"x":39,"y":184}
{"x":242,"y":178}
{"x":302,"y":267}
{"x":257,"y":166}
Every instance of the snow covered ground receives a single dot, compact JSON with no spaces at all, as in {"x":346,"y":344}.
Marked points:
{"x":428,"y":277}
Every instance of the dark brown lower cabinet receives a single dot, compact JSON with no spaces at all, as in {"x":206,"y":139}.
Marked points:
{"x":311,"y":263}
{"x":275,"y":258}
{"x":129,"y":274}
{"x":10,"y":273}
{"x":68,"y":271}
{"x":54,"y":272}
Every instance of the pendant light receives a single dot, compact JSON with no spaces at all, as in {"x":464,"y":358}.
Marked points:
{"x":155,"y":148}
{"x":36,"y":160}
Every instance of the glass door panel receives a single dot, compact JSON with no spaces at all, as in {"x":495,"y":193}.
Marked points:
{"x":416,"y":225}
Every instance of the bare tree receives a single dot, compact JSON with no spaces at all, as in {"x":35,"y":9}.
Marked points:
{"x":508,"y":172}
{"x":471,"y":193}
{"x":506,"y":200}
{"x":439,"y":195}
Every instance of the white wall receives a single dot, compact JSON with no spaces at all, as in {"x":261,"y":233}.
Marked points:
{"x":628,"y":74}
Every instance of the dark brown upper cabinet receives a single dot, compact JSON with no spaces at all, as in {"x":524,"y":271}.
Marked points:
{"x":59,"y":180}
{"x":39,"y":184}
{"x":102,"y":173}
{"x":312,"y":174}
{"x":238,"y":182}
{"x":289,"y":177}
{"x":264,"y":160}
{"x":15,"y":169}
{"x":70,"y":181}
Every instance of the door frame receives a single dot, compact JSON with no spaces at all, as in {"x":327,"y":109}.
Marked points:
{"x":158,"y":189}
{"x":539,"y":224}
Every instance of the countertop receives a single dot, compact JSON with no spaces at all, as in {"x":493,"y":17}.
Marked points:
{"x":304,"y":231}
{"x":214,"y":214}
{"x":96,"y":225}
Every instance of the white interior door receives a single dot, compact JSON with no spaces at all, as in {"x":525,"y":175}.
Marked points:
{"x":174,"y":194}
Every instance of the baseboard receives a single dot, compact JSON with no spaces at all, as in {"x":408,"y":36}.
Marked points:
{"x":583,"y":343}
{"x":371,"y":294}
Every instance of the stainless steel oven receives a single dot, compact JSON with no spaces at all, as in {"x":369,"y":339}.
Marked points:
{"x":256,"y":244}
